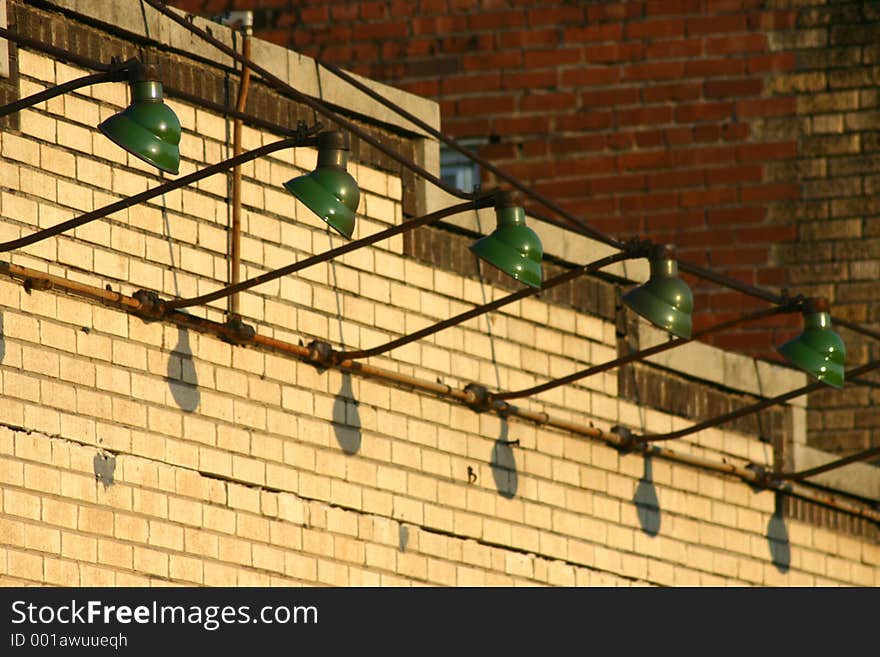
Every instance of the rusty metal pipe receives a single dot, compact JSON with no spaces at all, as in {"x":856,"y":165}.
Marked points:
{"x":235,"y":236}
{"x":397,"y":379}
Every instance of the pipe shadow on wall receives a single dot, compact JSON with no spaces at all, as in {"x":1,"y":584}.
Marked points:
{"x":2,"y":339}
{"x":647,"y":504}
{"x":777,"y":537}
{"x":503,"y":464}
{"x":182,"y":379}
{"x":346,"y":417}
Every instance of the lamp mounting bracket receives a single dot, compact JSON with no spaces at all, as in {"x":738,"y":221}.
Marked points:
{"x":321,"y":353}
{"x":237,"y":332}
{"x":482,"y":401}
{"x":151,"y":306}
{"x":627,"y":443}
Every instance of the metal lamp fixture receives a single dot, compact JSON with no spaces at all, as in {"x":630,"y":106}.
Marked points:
{"x":147,"y":128}
{"x":329,"y":191}
{"x":512,"y":247}
{"x":665,"y":300}
{"x":818,"y":350}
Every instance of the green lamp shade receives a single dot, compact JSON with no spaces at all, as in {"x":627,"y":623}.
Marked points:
{"x":818,"y":350}
{"x":147,"y":128}
{"x":665,"y":300}
{"x":512,"y":247}
{"x":331,"y":193}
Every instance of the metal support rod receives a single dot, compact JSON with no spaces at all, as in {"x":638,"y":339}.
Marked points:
{"x":483,"y":201}
{"x":164,"y":188}
{"x":754,"y":408}
{"x":58,"y":90}
{"x":864,"y":455}
{"x":485,"y":308}
{"x":235,"y":235}
{"x":642,"y":353}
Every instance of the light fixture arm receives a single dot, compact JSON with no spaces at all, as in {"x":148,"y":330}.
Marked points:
{"x":791,"y":306}
{"x":863,"y":455}
{"x":753,"y":408}
{"x":476,"y":203}
{"x":485,"y":308}
{"x":131,"y":69}
{"x":306,"y":139}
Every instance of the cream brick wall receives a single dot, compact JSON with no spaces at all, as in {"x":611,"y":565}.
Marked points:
{"x":238,"y":467}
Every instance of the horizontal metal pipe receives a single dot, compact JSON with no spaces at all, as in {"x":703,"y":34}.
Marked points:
{"x":44,"y":281}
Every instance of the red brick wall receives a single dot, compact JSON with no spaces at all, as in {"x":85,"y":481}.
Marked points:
{"x":743,"y":131}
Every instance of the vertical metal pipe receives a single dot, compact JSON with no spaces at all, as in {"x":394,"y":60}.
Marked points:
{"x":235,"y":232}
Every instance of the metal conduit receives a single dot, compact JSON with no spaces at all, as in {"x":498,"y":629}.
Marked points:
{"x":41,"y":281}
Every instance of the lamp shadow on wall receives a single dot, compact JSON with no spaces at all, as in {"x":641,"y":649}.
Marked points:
{"x":182,"y":379}
{"x":503,"y":464}
{"x":347,"y":418}
{"x":647,"y":504}
{"x":777,"y":537}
